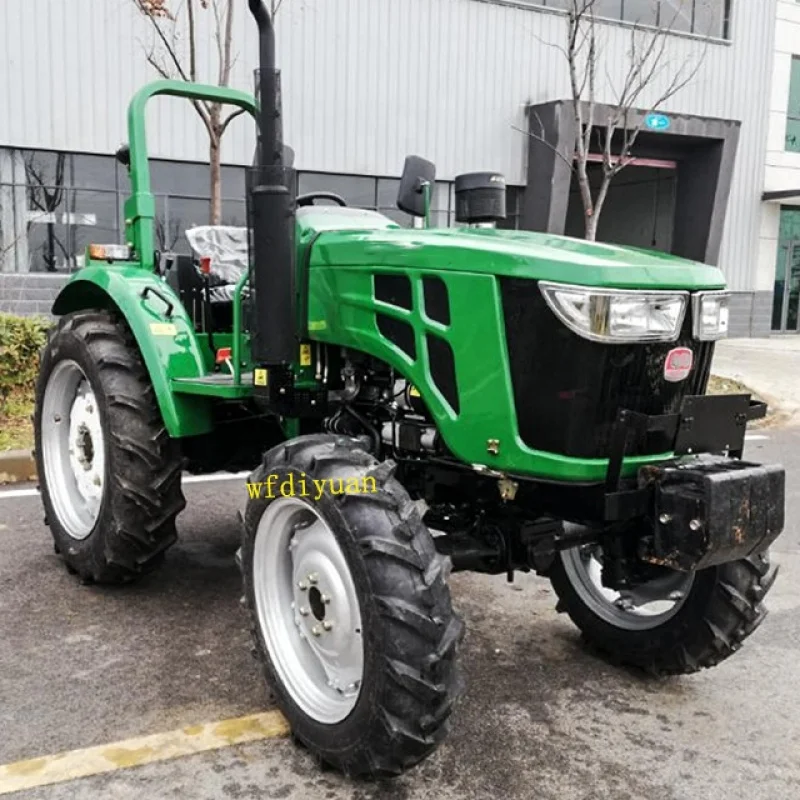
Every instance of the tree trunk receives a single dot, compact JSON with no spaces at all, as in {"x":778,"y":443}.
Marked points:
{"x":214,"y":156}
{"x":591,"y":227}
{"x":50,"y":258}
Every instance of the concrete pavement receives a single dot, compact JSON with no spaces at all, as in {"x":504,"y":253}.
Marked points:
{"x":543,"y":718}
{"x":769,"y":366}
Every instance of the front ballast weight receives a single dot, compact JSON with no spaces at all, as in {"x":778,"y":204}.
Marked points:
{"x":713,"y":512}
{"x":707,"y":509}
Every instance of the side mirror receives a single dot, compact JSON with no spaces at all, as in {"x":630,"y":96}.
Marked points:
{"x":417,"y":173}
{"x":123,"y":155}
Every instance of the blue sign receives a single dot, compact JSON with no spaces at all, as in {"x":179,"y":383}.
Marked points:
{"x":657,"y":122}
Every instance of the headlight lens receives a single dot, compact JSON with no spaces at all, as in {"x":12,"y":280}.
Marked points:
{"x":711,"y":313}
{"x":616,"y":315}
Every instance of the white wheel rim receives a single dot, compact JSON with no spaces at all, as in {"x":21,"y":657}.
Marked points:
{"x":637,"y":609}
{"x":73,"y":449}
{"x":308,"y":610}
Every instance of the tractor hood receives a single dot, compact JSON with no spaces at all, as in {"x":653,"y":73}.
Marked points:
{"x":518,"y":254}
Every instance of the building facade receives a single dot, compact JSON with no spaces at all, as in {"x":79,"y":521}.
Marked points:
{"x":780,"y":230}
{"x":366,"y":82}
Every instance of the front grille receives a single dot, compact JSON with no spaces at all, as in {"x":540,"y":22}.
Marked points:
{"x":568,"y":390}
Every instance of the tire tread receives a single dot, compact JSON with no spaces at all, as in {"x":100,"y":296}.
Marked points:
{"x":147,"y":498}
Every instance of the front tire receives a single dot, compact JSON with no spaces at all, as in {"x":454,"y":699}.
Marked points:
{"x":109,"y":474}
{"x":678,"y":624}
{"x":350,"y":610}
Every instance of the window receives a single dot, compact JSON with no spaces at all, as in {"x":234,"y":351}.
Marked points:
{"x":786,"y":303}
{"x":702,"y":17}
{"x":52,"y":205}
{"x":642,"y":12}
{"x":356,"y":191}
{"x":793,"y":112}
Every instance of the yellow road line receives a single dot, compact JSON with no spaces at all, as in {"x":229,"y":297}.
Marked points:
{"x":141,"y":750}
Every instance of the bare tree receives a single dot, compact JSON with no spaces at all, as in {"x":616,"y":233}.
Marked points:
{"x":168,"y":234}
{"x":45,"y":196}
{"x":649,"y":81}
{"x":173,"y":54}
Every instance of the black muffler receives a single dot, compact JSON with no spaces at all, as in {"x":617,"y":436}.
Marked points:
{"x":271,"y":212}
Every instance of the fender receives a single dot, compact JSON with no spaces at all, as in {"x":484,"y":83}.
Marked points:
{"x":165,"y":336}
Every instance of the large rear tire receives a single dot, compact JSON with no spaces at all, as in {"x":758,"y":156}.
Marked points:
{"x":678,"y":624}
{"x":350,"y":610}
{"x":110,"y":475}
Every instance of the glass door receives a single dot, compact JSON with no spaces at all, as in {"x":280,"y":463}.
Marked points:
{"x":786,"y":316}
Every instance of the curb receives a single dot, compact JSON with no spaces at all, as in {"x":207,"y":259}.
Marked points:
{"x":16,"y":466}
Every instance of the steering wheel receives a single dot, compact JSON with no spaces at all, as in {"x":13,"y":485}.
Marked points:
{"x":309,"y":198}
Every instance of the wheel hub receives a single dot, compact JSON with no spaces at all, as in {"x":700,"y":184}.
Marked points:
{"x":85,"y":457}
{"x":641,"y":607}
{"x":324,"y":598}
{"x":308,"y":609}
{"x":73,"y":449}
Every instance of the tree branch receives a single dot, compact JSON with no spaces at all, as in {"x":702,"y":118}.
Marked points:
{"x":200,"y":107}
{"x":647,"y":65}
{"x":226,"y":60}
{"x":192,"y":42}
{"x":230,"y":118}
{"x":218,"y":36}
{"x":541,"y":138}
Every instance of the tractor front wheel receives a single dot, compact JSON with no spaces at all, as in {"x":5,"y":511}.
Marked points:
{"x":109,"y":474}
{"x":676,"y":623}
{"x":349,"y":607}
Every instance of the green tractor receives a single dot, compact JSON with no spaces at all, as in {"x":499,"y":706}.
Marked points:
{"x":410,"y":401}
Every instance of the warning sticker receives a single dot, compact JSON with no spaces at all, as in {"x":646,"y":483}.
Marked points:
{"x":163,"y":329}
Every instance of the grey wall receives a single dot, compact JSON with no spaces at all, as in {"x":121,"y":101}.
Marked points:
{"x":367,"y":81}
{"x":29,"y":295}
{"x":751,"y":314}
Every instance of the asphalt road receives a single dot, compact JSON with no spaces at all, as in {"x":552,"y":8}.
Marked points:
{"x":543,"y":717}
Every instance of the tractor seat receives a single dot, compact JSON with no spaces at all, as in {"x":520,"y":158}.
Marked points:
{"x":227,"y":247}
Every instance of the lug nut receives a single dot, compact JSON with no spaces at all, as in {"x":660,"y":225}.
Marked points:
{"x":316,"y":630}
{"x":327,"y":624}
{"x":313,"y":578}
{"x":325,"y":598}
{"x":302,"y":586}
{"x":303,"y":611}
{"x":695,"y":525}
{"x":664,"y":518}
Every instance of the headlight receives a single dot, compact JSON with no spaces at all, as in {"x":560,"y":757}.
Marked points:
{"x":616,"y":315}
{"x":711,"y":312}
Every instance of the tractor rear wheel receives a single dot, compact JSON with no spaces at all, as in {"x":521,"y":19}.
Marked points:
{"x":350,"y":609}
{"x":678,"y":623}
{"x":109,"y":474}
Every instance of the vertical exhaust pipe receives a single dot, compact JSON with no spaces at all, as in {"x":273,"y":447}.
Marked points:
{"x":272,"y":214}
